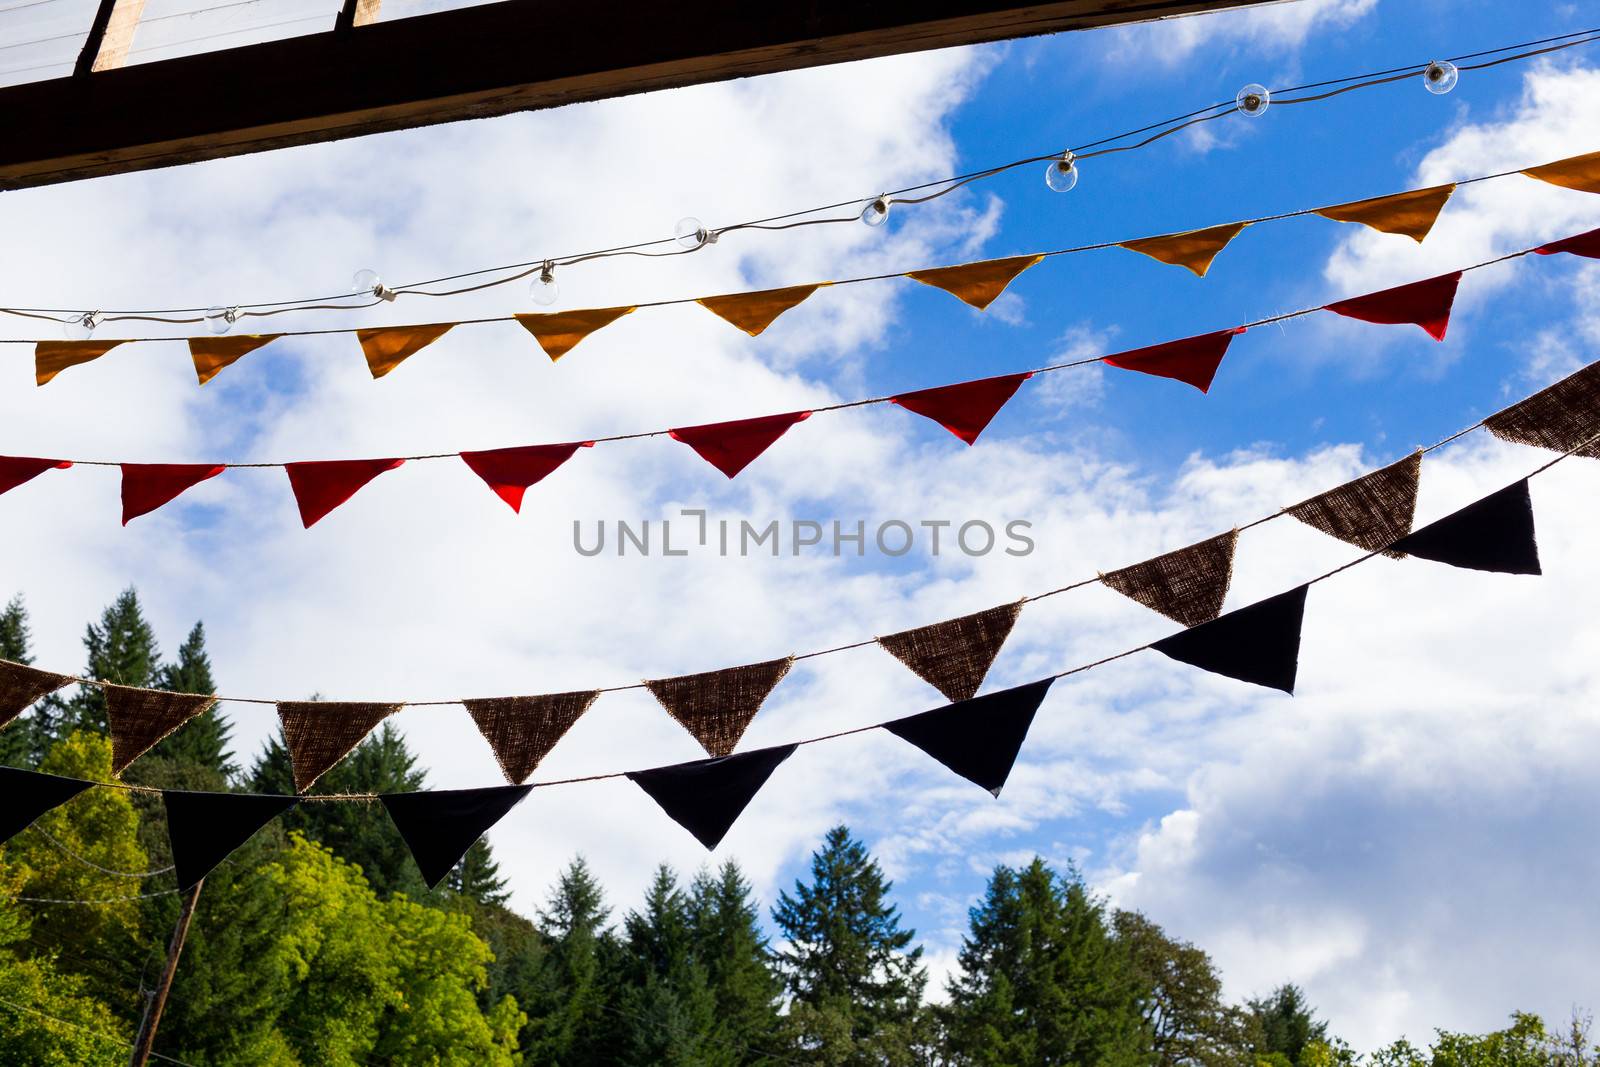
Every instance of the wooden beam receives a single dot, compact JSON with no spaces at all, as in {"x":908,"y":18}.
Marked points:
{"x":475,"y":62}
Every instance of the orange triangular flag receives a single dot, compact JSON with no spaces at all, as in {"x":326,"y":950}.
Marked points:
{"x":386,"y":348}
{"x":1411,"y":213}
{"x":560,"y":331}
{"x":754,"y":312}
{"x":50,"y":358}
{"x":1194,"y":249}
{"x":1580,"y":172}
{"x":139,"y":718}
{"x":523,"y":730}
{"x":212,"y":354}
{"x":717,"y":706}
{"x":954,"y":656}
{"x":319,"y":733}
{"x":1187,"y":585}
{"x":976,"y":283}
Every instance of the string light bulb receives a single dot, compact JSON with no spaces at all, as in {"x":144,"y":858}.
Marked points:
{"x":1440,"y":77}
{"x":877,"y":212}
{"x":692,"y":234}
{"x":81,"y":327}
{"x":1062,"y":174}
{"x":544,"y":289}
{"x":1252,"y":100}
{"x":220,"y":320}
{"x":367,"y":282}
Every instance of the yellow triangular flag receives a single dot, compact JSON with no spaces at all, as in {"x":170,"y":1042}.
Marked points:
{"x":1580,"y":172}
{"x":559,"y":332}
{"x":1412,"y":213}
{"x":754,"y":312}
{"x":386,"y":348}
{"x":50,"y":358}
{"x":212,"y":354}
{"x":976,"y":283}
{"x":1194,"y":249}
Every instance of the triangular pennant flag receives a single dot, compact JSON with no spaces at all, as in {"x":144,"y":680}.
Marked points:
{"x":322,"y":485}
{"x":1258,"y":643}
{"x":1492,"y":534}
{"x":1411,"y":213}
{"x":1586,"y":245}
{"x":320,"y":733}
{"x":15,"y":470}
{"x":211,"y":355}
{"x":139,"y":718}
{"x":559,"y":332}
{"x":954,"y":656}
{"x":707,"y":796}
{"x":50,"y":358}
{"x":732,"y":446}
{"x":754,"y":312}
{"x":1371,"y":512}
{"x":977,"y":284}
{"x":26,"y":795}
{"x":1426,"y":304}
{"x":147,"y":486}
{"x":21,"y":687}
{"x":1194,"y":249}
{"x":510,"y":471}
{"x":979,"y":738}
{"x":439,"y":826}
{"x":1579,"y":172}
{"x":389,"y":346}
{"x":523,"y":730}
{"x":1187,"y":585}
{"x":205,"y":828}
{"x":717,"y":706}
{"x":1562,"y":417}
{"x":965,"y":408}
{"x":1193,"y":360}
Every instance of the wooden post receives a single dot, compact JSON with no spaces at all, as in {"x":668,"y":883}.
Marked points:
{"x":357,"y":13}
{"x":110,"y":35}
{"x":158,"y":999}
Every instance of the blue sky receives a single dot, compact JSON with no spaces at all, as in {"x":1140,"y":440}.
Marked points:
{"x":1406,"y":818}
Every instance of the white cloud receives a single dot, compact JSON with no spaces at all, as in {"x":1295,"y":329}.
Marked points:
{"x":1283,"y":27}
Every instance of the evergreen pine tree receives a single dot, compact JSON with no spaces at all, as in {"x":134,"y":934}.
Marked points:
{"x":121,"y":649}
{"x":1285,"y":1024}
{"x":568,"y":1023}
{"x":477,"y":876}
{"x":666,"y":1012}
{"x":725,"y":924}
{"x":26,"y":741}
{"x":202,"y":742}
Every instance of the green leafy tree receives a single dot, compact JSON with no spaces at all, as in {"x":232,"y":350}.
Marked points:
{"x":726,"y":927}
{"x":1180,"y":997}
{"x":1285,"y":1025}
{"x":568,"y":1021}
{"x":122,"y":649}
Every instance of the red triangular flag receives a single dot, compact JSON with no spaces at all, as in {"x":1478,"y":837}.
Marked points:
{"x":1586,"y":245}
{"x":146,"y":486}
{"x":1426,"y":303}
{"x":14,"y":470}
{"x":966,"y":407}
{"x":1193,"y":360}
{"x":322,"y":485}
{"x":509,"y":471}
{"x":732,"y":446}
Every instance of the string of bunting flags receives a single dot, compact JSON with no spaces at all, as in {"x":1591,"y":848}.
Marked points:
{"x":1411,"y":213}
{"x":977,"y":736}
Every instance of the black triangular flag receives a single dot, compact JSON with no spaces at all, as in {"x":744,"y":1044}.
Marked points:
{"x":205,"y":828}
{"x":1257,"y":643}
{"x":1494,"y":534}
{"x":706,"y":796}
{"x":439,"y":826}
{"x":26,"y":795}
{"x":978,"y":738}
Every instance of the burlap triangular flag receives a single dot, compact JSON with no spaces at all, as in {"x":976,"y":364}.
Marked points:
{"x":1194,"y":249}
{"x":977,"y":284}
{"x":717,"y":706}
{"x":1578,"y":172}
{"x":321,"y":733}
{"x":1411,"y":213}
{"x":386,"y":348}
{"x":754,"y":312}
{"x":1187,"y":586}
{"x":212,"y":354}
{"x":523,"y":730}
{"x":50,"y":358}
{"x":1371,"y":512}
{"x":558,"y":332}
{"x":954,"y":656}
{"x":139,"y":718}
{"x":21,"y":687}
{"x":1561,"y":418}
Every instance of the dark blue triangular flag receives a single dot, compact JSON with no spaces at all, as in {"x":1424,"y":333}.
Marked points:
{"x":205,"y":828}
{"x":439,"y":826}
{"x":1257,"y":643}
{"x":706,"y":796}
{"x":978,"y":738}
{"x":26,"y":795}
{"x":1494,"y":534}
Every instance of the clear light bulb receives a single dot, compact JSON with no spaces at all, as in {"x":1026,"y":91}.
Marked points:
{"x":692,"y":233}
{"x":365,"y":282}
{"x":1252,"y":100}
{"x":1440,"y":77}
{"x":544,"y":289}
{"x":1062,"y":174}
{"x":220,"y":320}
{"x":81,"y":327}
{"x":877,"y":212}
